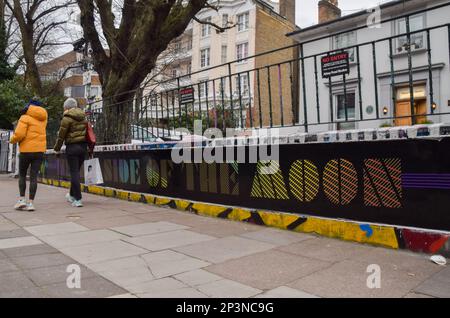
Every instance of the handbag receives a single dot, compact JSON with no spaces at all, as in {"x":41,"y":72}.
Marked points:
{"x":92,"y":172}
{"x":91,"y":139}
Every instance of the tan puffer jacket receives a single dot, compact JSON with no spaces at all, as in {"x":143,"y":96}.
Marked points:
{"x":73,"y":128}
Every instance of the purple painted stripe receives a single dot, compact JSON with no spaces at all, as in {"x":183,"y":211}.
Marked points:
{"x":426,"y":187}
{"x":426,"y":180}
{"x":426,"y":183}
{"x":422,"y":177}
{"x":427,"y":174}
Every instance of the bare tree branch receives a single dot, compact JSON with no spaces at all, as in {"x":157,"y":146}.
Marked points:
{"x":217,"y":27}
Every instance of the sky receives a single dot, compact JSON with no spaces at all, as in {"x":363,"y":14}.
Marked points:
{"x":306,"y":10}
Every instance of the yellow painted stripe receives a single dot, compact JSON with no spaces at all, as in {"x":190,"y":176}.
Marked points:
{"x":348,"y":231}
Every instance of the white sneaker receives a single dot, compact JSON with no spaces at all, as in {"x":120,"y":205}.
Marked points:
{"x":20,"y":204}
{"x":30,"y":207}
{"x":69,"y":198}
{"x":77,"y":203}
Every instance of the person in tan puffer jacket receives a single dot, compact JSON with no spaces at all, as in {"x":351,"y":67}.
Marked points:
{"x":73,"y":133}
{"x":31,"y":136}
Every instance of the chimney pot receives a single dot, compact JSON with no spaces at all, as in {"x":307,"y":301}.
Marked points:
{"x":287,"y":9}
{"x":328,"y":10}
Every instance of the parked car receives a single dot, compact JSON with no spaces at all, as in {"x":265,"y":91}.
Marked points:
{"x":154,"y":134}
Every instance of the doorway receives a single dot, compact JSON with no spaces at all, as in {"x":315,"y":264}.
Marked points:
{"x":403,"y":106}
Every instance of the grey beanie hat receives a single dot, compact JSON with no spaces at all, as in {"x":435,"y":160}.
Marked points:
{"x":70,"y":103}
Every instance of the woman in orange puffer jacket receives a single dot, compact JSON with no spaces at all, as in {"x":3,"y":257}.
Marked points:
{"x":31,"y":135}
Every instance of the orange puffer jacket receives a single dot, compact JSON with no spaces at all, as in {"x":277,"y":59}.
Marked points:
{"x":31,"y":130}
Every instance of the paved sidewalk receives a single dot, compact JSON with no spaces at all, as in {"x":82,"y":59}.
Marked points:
{"x":127,"y":249}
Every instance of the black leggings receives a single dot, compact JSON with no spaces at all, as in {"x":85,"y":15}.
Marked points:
{"x":27,"y":159}
{"x":75,"y":153}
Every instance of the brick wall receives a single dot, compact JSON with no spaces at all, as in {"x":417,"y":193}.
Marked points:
{"x":328,"y":10}
{"x":271,"y":31}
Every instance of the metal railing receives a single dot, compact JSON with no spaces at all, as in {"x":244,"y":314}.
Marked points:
{"x":5,"y":152}
{"x":282,"y":88}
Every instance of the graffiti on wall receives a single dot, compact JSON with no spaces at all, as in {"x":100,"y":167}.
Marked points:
{"x":389,"y":182}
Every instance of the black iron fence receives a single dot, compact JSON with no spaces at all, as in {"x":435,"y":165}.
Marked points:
{"x":391,"y":80}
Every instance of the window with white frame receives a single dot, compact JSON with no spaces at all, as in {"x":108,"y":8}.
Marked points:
{"x":95,"y":91}
{"x":243,"y":21}
{"x":67,"y":91}
{"x":416,"y":23}
{"x":204,"y":57}
{"x":203,"y":87}
{"x":177,"y":46}
{"x":342,"y":102}
{"x":242,"y":52}
{"x":224,"y":20}
{"x":206,"y":28}
{"x":174,"y":73}
{"x":223,"y":56}
{"x":345,"y":40}
{"x":242,"y":80}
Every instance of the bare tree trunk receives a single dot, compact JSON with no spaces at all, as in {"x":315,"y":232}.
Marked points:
{"x":144,"y":32}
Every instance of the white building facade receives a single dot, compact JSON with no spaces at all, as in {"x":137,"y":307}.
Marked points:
{"x":383,"y":69}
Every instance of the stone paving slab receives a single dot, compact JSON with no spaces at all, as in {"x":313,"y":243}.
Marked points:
{"x":33,"y":219}
{"x":197,"y":277}
{"x":81,"y":238}
{"x":148,"y":228}
{"x":223,"y":249}
{"x":42,"y":260}
{"x":348,"y":278}
{"x":7,"y":266}
{"x":55,"y":229}
{"x":50,"y":275}
{"x":13,"y":233}
{"x":277,"y":237}
{"x":328,"y":250}
{"x":98,"y":252}
{"x":8,"y":226}
{"x":14,"y":284}
{"x":127,"y":295}
{"x":416,"y":265}
{"x":285,"y":292}
{"x":91,"y":213}
{"x":185,"y":292}
{"x":95,"y":287}
{"x":168,"y":240}
{"x":268,"y":270}
{"x":156,"y":286}
{"x":168,"y":263}
{"x":19,"y":242}
{"x":125,"y":271}
{"x":438,"y":285}
{"x":109,"y":222}
{"x":213,"y":226}
{"x":222,"y":230}
{"x":29,"y":250}
{"x":227,"y":289}
{"x":417,"y":295}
